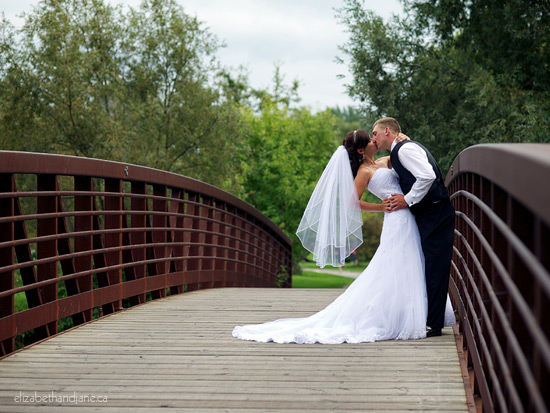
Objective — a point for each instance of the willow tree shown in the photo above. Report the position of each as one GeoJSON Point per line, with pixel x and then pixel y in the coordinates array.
{"type": "Point", "coordinates": [180, 122]}
{"type": "Point", "coordinates": [137, 85]}
{"type": "Point", "coordinates": [60, 79]}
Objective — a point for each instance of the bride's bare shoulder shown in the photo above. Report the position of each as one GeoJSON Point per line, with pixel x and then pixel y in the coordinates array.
{"type": "Point", "coordinates": [364, 174]}
{"type": "Point", "coordinates": [365, 171]}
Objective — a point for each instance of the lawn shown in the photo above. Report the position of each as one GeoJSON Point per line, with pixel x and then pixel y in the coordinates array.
{"type": "Point", "coordinates": [310, 279]}
{"type": "Point", "coordinates": [348, 267]}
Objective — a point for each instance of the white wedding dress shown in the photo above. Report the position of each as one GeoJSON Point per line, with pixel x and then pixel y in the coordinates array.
{"type": "Point", "coordinates": [387, 301]}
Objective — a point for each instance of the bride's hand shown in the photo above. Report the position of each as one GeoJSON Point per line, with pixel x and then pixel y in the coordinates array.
{"type": "Point", "coordinates": [385, 206]}
{"type": "Point", "coordinates": [402, 137]}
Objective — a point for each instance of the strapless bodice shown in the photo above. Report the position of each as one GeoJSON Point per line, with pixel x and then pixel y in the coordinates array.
{"type": "Point", "coordinates": [384, 182]}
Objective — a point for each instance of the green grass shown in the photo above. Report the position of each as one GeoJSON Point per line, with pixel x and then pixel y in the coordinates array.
{"type": "Point", "coordinates": [348, 267]}
{"type": "Point", "coordinates": [310, 279]}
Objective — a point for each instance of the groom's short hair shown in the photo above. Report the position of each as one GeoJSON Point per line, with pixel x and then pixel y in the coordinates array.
{"type": "Point", "coordinates": [390, 123]}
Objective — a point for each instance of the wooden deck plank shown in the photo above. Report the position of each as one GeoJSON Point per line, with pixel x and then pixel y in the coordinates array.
{"type": "Point", "coordinates": [178, 353]}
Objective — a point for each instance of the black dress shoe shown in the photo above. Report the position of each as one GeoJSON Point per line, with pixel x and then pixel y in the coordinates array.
{"type": "Point", "coordinates": [433, 332]}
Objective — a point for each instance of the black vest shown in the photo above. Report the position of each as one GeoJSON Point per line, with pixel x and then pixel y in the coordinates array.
{"type": "Point", "coordinates": [437, 191]}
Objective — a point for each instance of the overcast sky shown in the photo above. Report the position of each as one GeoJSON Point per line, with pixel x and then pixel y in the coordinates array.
{"type": "Point", "coordinates": [301, 35]}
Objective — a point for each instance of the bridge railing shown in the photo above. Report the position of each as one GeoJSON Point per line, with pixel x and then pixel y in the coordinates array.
{"type": "Point", "coordinates": [500, 281]}
{"type": "Point", "coordinates": [82, 238]}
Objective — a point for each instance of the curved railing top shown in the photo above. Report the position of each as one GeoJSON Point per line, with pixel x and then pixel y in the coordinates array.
{"type": "Point", "coordinates": [523, 169]}
{"type": "Point", "coordinates": [43, 163]}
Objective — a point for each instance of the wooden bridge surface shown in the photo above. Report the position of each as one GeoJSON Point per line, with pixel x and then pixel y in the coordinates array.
{"type": "Point", "coordinates": [178, 353]}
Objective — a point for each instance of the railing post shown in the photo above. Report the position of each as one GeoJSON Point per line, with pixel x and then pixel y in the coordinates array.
{"type": "Point", "coordinates": [45, 249]}
{"type": "Point", "coordinates": [231, 244]}
{"type": "Point", "coordinates": [256, 255]}
{"type": "Point", "coordinates": [240, 245]}
{"type": "Point", "coordinates": [207, 262]}
{"type": "Point", "coordinates": [138, 207]}
{"type": "Point", "coordinates": [113, 239]}
{"type": "Point", "coordinates": [159, 221]}
{"type": "Point", "coordinates": [192, 239]}
{"type": "Point", "coordinates": [82, 243]}
{"type": "Point", "coordinates": [247, 258]}
{"type": "Point", "coordinates": [177, 209]}
{"type": "Point", "coordinates": [264, 256]}
{"type": "Point", "coordinates": [7, 185]}
{"type": "Point", "coordinates": [218, 239]}
{"type": "Point", "coordinates": [64, 249]}
{"type": "Point", "coordinates": [24, 255]}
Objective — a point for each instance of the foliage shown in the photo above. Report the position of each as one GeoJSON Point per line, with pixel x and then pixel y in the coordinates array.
{"type": "Point", "coordinates": [286, 152]}
{"type": "Point", "coordinates": [83, 78]}
{"type": "Point", "coordinates": [181, 123]}
{"type": "Point", "coordinates": [57, 77]}
{"type": "Point", "coordinates": [372, 227]}
{"type": "Point", "coordinates": [347, 119]}
{"type": "Point", "coordinates": [454, 73]}
{"type": "Point", "coordinates": [507, 38]}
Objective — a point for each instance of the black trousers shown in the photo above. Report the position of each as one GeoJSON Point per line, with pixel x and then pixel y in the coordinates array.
{"type": "Point", "coordinates": [436, 226]}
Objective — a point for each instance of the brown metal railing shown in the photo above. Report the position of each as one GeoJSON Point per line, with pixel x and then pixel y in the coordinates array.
{"type": "Point", "coordinates": [82, 238]}
{"type": "Point", "coordinates": [500, 280]}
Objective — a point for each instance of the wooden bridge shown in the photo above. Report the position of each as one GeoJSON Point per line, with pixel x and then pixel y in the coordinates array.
{"type": "Point", "coordinates": [178, 352]}
{"type": "Point", "coordinates": [146, 270]}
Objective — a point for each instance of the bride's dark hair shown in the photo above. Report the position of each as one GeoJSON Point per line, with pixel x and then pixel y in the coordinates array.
{"type": "Point", "coordinates": [354, 140]}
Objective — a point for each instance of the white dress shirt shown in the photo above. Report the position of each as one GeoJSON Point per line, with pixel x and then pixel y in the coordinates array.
{"type": "Point", "coordinates": [415, 160]}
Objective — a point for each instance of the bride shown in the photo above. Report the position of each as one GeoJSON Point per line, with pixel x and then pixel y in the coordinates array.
{"type": "Point", "coordinates": [388, 299]}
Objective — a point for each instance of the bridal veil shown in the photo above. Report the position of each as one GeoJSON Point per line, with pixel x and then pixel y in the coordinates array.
{"type": "Point", "coordinates": [331, 227]}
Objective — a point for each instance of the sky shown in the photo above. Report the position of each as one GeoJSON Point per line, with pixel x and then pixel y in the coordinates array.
{"type": "Point", "coordinates": [302, 36]}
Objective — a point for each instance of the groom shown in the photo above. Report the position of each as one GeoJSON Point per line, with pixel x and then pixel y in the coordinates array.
{"type": "Point", "coordinates": [426, 196]}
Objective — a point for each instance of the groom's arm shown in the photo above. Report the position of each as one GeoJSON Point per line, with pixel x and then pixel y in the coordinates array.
{"type": "Point", "coordinates": [415, 160]}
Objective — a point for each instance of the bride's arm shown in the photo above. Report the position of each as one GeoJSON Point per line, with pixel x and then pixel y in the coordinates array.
{"type": "Point", "coordinates": [385, 160]}
{"type": "Point", "coordinates": [361, 182]}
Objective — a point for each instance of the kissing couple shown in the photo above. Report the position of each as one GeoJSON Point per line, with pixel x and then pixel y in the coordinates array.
{"type": "Point", "coordinates": [402, 293]}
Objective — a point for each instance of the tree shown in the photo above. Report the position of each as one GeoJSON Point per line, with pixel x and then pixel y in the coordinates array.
{"type": "Point", "coordinates": [286, 152]}
{"type": "Point", "coordinates": [59, 79]}
{"type": "Point", "coordinates": [83, 78]}
{"type": "Point", "coordinates": [435, 71]}
{"type": "Point", "coordinates": [347, 119]}
{"type": "Point", "coordinates": [506, 37]}
{"type": "Point", "coordinates": [179, 121]}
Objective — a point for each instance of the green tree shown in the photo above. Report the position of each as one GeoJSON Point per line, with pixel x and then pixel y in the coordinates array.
{"type": "Point", "coordinates": [372, 227]}
{"type": "Point", "coordinates": [348, 118]}
{"type": "Point", "coordinates": [81, 77]}
{"type": "Point", "coordinates": [286, 152]}
{"type": "Point", "coordinates": [179, 122]}
{"type": "Point", "coordinates": [446, 77]}
{"type": "Point", "coordinates": [506, 37]}
{"type": "Point", "coordinates": [59, 79]}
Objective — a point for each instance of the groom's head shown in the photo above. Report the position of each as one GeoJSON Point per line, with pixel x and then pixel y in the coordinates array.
{"type": "Point", "coordinates": [384, 132]}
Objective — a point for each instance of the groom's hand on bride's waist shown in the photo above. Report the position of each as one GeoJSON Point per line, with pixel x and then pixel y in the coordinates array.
{"type": "Point", "coordinates": [397, 201]}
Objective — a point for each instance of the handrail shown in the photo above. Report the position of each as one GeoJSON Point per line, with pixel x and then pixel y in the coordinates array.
{"type": "Point", "coordinates": [500, 274]}
{"type": "Point", "coordinates": [83, 238]}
